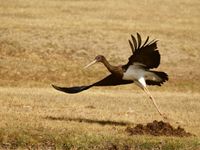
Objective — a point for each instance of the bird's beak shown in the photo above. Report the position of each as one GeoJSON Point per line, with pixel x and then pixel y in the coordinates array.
{"type": "Point", "coordinates": [90, 64]}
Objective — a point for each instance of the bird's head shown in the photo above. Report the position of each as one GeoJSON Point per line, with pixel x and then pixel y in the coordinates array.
{"type": "Point", "coordinates": [98, 58]}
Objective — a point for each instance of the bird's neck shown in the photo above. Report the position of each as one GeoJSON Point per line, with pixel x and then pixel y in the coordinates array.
{"type": "Point", "coordinates": [113, 69]}
{"type": "Point", "coordinates": [107, 65]}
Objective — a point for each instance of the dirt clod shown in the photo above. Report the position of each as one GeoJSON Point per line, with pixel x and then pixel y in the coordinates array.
{"type": "Point", "coordinates": [158, 128]}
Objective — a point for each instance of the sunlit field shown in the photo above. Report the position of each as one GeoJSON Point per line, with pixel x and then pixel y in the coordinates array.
{"type": "Point", "coordinates": [50, 41]}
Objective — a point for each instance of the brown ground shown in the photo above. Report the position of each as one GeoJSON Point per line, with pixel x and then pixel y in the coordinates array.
{"type": "Point", "coordinates": [158, 128]}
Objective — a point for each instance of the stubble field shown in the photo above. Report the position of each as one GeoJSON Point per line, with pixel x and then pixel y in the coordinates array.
{"type": "Point", "coordinates": [49, 41]}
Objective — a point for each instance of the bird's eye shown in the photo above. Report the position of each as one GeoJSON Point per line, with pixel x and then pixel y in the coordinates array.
{"type": "Point", "coordinates": [98, 57]}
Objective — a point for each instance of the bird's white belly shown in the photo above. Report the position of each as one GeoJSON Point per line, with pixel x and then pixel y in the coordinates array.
{"type": "Point", "coordinates": [133, 73]}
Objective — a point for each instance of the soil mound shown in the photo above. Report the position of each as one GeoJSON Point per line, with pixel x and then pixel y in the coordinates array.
{"type": "Point", "coordinates": [158, 128]}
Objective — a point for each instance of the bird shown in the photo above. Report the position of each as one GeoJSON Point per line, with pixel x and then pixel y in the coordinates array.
{"type": "Point", "coordinates": [139, 69]}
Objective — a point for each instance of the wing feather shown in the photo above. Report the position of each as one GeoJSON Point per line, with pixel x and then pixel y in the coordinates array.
{"type": "Point", "coordinates": [145, 42]}
{"type": "Point", "coordinates": [134, 41]}
{"type": "Point", "coordinates": [131, 45]}
{"type": "Point", "coordinates": [110, 80]}
{"type": "Point", "coordinates": [139, 40]}
{"type": "Point", "coordinates": [153, 41]}
{"type": "Point", "coordinates": [146, 54]}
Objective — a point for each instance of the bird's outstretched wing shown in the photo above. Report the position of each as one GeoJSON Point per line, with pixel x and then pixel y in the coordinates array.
{"type": "Point", "coordinates": [71, 90]}
{"type": "Point", "coordinates": [110, 80]}
{"type": "Point", "coordinates": [146, 53]}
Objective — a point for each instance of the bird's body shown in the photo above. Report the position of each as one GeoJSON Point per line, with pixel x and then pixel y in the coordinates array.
{"type": "Point", "coordinates": [138, 69]}
{"type": "Point", "coordinates": [134, 72]}
{"type": "Point", "coordinates": [137, 73]}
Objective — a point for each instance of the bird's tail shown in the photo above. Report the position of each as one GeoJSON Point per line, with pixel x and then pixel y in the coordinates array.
{"type": "Point", "coordinates": [160, 78]}
{"type": "Point", "coordinates": [71, 90]}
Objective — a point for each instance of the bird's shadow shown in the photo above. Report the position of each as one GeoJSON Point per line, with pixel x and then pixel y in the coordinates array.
{"type": "Point", "coordinates": [91, 121]}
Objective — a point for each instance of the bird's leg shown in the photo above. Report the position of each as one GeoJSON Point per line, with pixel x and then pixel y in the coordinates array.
{"type": "Point", "coordinates": [153, 100]}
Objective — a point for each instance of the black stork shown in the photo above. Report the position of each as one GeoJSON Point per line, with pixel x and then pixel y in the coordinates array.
{"type": "Point", "coordinates": [138, 69]}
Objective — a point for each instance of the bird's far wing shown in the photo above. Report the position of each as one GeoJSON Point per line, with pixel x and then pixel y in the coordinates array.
{"type": "Point", "coordinates": [145, 53]}
{"type": "Point", "coordinates": [71, 90]}
{"type": "Point", "coordinates": [110, 80]}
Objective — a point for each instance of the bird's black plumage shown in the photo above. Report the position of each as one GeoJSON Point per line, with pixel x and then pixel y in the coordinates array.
{"type": "Point", "coordinates": [147, 54]}
{"type": "Point", "coordinates": [162, 75]}
{"type": "Point", "coordinates": [110, 80]}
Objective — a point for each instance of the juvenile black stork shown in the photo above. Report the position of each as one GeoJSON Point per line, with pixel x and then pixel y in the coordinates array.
{"type": "Point", "coordinates": [138, 69]}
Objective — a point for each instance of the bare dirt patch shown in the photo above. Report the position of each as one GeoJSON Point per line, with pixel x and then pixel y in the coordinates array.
{"type": "Point", "coordinates": [158, 128]}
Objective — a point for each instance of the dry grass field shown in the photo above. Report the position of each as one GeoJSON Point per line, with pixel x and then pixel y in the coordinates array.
{"type": "Point", "coordinates": [44, 118]}
{"type": "Point", "coordinates": [49, 41]}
